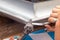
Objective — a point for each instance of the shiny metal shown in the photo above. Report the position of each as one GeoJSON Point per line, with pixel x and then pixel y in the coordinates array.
{"type": "Point", "coordinates": [28, 28]}
{"type": "Point", "coordinates": [22, 10]}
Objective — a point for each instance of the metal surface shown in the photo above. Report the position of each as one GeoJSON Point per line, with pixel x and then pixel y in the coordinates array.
{"type": "Point", "coordinates": [17, 9]}
{"type": "Point", "coordinates": [28, 28]}
{"type": "Point", "coordinates": [23, 11]}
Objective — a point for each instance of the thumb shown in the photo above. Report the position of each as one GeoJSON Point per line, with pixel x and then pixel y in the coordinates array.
{"type": "Point", "coordinates": [48, 26]}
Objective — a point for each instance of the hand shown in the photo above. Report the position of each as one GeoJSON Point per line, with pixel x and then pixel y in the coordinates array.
{"type": "Point", "coordinates": [54, 15]}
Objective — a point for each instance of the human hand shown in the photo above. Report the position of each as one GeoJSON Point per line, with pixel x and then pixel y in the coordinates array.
{"type": "Point", "coordinates": [54, 15]}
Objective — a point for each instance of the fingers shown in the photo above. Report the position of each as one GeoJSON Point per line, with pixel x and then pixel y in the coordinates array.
{"type": "Point", "coordinates": [58, 6]}
{"type": "Point", "coordinates": [57, 27]}
{"type": "Point", "coordinates": [49, 28]}
{"type": "Point", "coordinates": [52, 19]}
{"type": "Point", "coordinates": [56, 10]}
{"type": "Point", "coordinates": [55, 13]}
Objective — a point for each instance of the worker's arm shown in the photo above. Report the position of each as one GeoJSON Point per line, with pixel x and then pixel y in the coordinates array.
{"type": "Point", "coordinates": [55, 14]}
{"type": "Point", "coordinates": [57, 29]}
